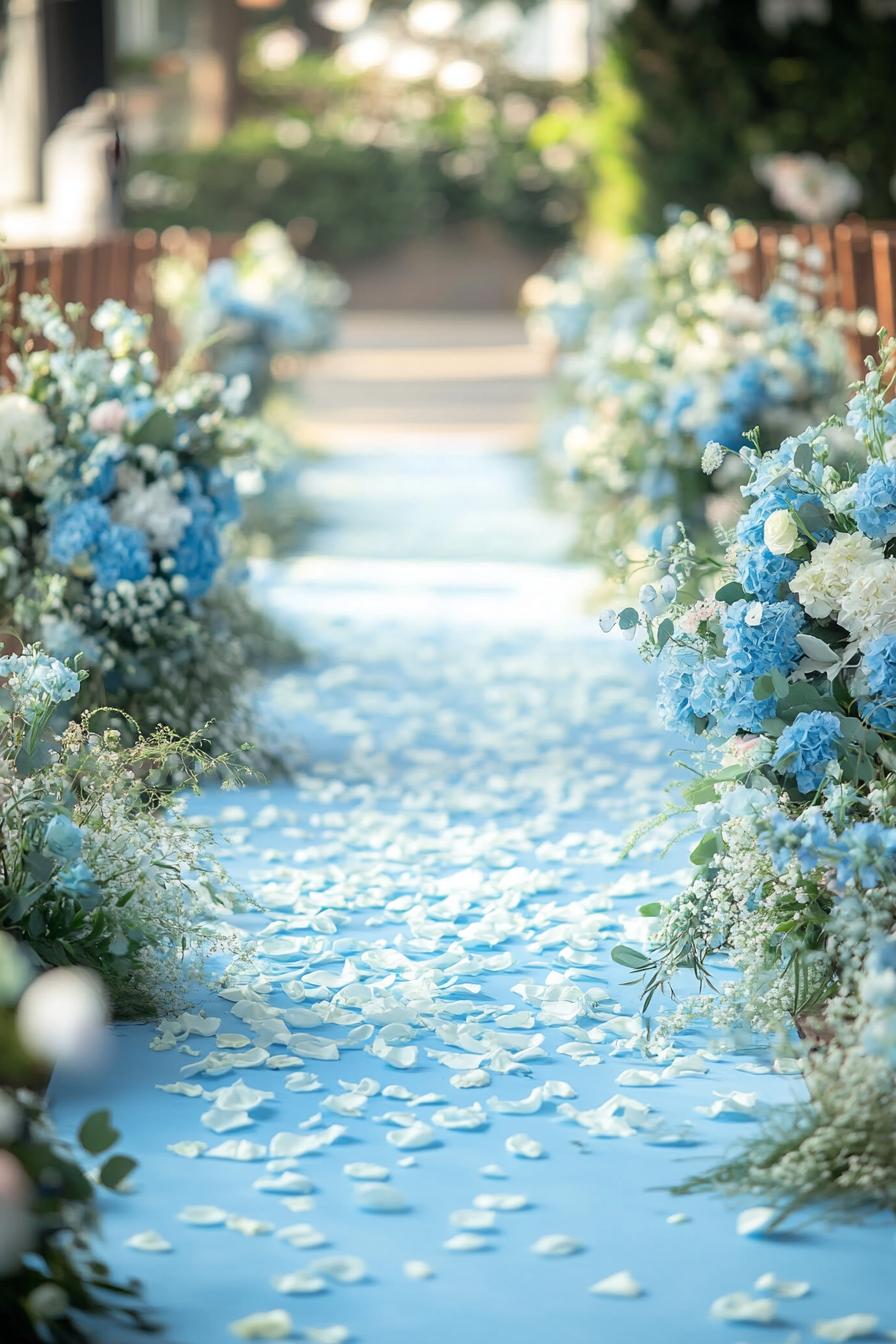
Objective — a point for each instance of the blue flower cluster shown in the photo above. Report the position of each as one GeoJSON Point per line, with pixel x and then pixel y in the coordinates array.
{"type": "Point", "coordinates": [879, 666]}
{"type": "Point", "coordinates": [761, 638]}
{"type": "Point", "coordinates": [876, 501]}
{"type": "Point", "coordinates": [806, 838]}
{"type": "Point", "coordinates": [84, 530]}
{"type": "Point", "coordinates": [806, 747]}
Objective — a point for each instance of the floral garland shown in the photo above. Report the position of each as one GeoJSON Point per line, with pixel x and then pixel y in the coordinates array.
{"type": "Point", "coordinates": [672, 372]}
{"type": "Point", "coordinates": [780, 663]}
{"type": "Point", "coordinates": [117, 494]}
{"type": "Point", "coordinates": [244, 310]}
{"type": "Point", "coordinates": [98, 868]}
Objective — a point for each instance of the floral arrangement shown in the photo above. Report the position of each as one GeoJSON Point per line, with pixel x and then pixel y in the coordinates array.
{"type": "Point", "coordinates": [244, 310]}
{"type": "Point", "coordinates": [682, 367]}
{"type": "Point", "coordinates": [779, 661]}
{"type": "Point", "coordinates": [117, 495]}
{"type": "Point", "coordinates": [54, 1287]}
{"type": "Point", "coordinates": [99, 870]}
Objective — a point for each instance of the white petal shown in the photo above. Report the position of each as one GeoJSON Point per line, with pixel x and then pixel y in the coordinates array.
{"type": "Point", "coordinates": [340, 1268]}
{"type": "Point", "coordinates": [621, 1284]}
{"type": "Point", "coordinates": [466, 1241]}
{"type": "Point", "coordinates": [286, 1182]}
{"type": "Point", "coordinates": [181, 1089]}
{"type": "Point", "coordinates": [275, 1324]}
{"type": "Point", "coordinates": [239, 1097]}
{"type": "Point", "coordinates": [418, 1269]}
{"type": "Point", "coordinates": [378, 1198]}
{"type": "Point", "coordinates": [238, 1150]}
{"type": "Point", "coordinates": [473, 1220]}
{"type": "Point", "coordinates": [188, 1147]}
{"type": "Point", "coordinates": [493, 1172]}
{"type": "Point", "coordinates": [299, 1281]}
{"type": "Point", "coordinates": [148, 1241]}
{"type": "Point", "coordinates": [223, 1121]}
{"type": "Point", "coordinates": [327, 1334]}
{"type": "Point", "coordinates": [203, 1215]}
{"type": "Point", "coordinates": [858, 1325]}
{"type": "Point", "coordinates": [555, 1243]}
{"type": "Point", "coordinates": [303, 1082]}
{"type": "Point", "coordinates": [502, 1203]}
{"type": "Point", "coordinates": [366, 1171]}
{"type": "Point", "coordinates": [249, 1227]}
{"type": "Point", "coordinates": [416, 1135]}
{"type": "Point", "coordinates": [521, 1145]}
{"type": "Point", "coordinates": [304, 1236]}
{"type": "Point", "coordinates": [770, 1283]}
{"type": "Point", "coordinates": [470, 1078]}
{"type": "Point", "coordinates": [744, 1307]}
{"type": "Point", "coordinates": [754, 1222]}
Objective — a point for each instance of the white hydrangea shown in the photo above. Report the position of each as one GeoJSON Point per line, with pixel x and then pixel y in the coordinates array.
{"type": "Point", "coordinates": [822, 582]}
{"type": "Point", "coordinates": [25, 430]}
{"type": "Point", "coordinates": [154, 509]}
{"type": "Point", "coordinates": [868, 606]}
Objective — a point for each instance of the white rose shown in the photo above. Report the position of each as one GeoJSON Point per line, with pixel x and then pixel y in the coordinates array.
{"type": "Point", "coordinates": [780, 533]}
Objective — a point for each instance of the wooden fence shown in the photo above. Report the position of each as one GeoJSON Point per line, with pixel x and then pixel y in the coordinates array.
{"type": "Point", "coordinates": [858, 270]}
{"type": "Point", "coordinates": [119, 266]}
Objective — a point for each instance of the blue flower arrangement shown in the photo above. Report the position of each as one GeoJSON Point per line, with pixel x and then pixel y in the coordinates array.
{"type": "Point", "coordinates": [117, 495]}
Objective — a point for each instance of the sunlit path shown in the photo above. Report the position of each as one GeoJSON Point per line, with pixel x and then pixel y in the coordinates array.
{"type": "Point", "coordinates": [433, 1005]}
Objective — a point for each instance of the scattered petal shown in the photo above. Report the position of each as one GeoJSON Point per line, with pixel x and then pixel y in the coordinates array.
{"type": "Point", "coordinates": [275, 1324]}
{"type": "Point", "coordinates": [148, 1241]}
{"type": "Point", "coordinates": [555, 1243]}
{"type": "Point", "coordinates": [621, 1284]}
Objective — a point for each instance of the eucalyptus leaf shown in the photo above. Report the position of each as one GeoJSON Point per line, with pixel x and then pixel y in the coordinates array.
{"type": "Point", "coordinates": [630, 957]}
{"type": "Point", "coordinates": [664, 632]}
{"type": "Point", "coordinates": [804, 458]}
{"type": "Point", "coordinates": [705, 848]}
{"type": "Point", "coordinates": [97, 1133]}
{"type": "Point", "coordinates": [651, 909]}
{"type": "Point", "coordinates": [731, 592]}
{"type": "Point", "coordinates": [115, 1170]}
{"type": "Point", "coordinates": [628, 618]}
{"type": "Point", "coordinates": [817, 649]}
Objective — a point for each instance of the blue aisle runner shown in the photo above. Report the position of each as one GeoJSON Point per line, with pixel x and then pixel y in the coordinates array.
{"type": "Point", "coordinates": [441, 890]}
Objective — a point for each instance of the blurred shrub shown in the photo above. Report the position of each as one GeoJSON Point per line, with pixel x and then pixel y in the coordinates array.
{"type": "Point", "coordinates": [691, 95]}
{"type": "Point", "coordinates": [371, 161]}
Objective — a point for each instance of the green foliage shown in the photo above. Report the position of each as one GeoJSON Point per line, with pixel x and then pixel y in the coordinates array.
{"type": "Point", "coordinates": [686, 100]}
{"type": "Point", "coordinates": [54, 1288]}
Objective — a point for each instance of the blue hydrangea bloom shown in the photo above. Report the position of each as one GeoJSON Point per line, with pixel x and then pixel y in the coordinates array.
{"type": "Point", "coordinates": [725, 695]}
{"type": "Point", "coordinates": [62, 838]}
{"type": "Point", "coordinates": [879, 666]}
{"type": "Point", "coordinates": [876, 500]}
{"type": "Point", "coordinates": [122, 553]}
{"type": "Point", "coordinates": [806, 837]}
{"type": "Point", "coordinates": [76, 529]}
{"type": "Point", "coordinates": [868, 851]}
{"type": "Point", "coordinates": [221, 490]}
{"type": "Point", "coordinates": [677, 666]}
{"type": "Point", "coordinates": [806, 746]}
{"type": "Point", "coordinates": [775, 470]}
{"type": "Point", "coordinates": [770, 644]}
{"type": "Point", "coordinates": [198, 553]}
{"type": "Point", "coordinates": [762, 573]}
{"type": "Point", "coordinates": [863, 410]}
{"type": "Point", "coordinates": [77, 880]}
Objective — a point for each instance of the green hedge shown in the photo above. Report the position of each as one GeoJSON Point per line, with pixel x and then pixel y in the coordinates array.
{"type": "Point", "coordinates": [685, 101]}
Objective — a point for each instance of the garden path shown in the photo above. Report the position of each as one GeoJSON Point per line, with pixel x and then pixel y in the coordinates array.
{"type": "Point", "coordinates": [441, 888]}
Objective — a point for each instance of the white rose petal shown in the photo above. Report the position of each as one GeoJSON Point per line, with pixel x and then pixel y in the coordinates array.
{"type": "Point", "coordinates": [275, 1324]}
{"type": "Point", "coordinates": [148, 1241]}
{"type": "Point", "coordinates": [418, 1269]}
{"type": "Point", "coordinates": [203, 1215]}
{"type": "Point", "coordinates": [555, 1243]}
{"type": "Point", "coordinates": [521, 1145]}
{"type": "Point", "coordinates": [621, 1284]}
{"type": "Point", "coordinates": [238, 1150]}
{"type": "Point", "coordinates": [466, 1241]}
{"type": "Point", "coordinates": [744, 1307]}
{"type": "Point", "coordinates": [858, 1325]}
{"type": "Point", "coordinates": [753, 1222]}
{"type": "Point", "coordinates": [366, 1171]}
{"type": "Point", "coordinates": [379, 1198]}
